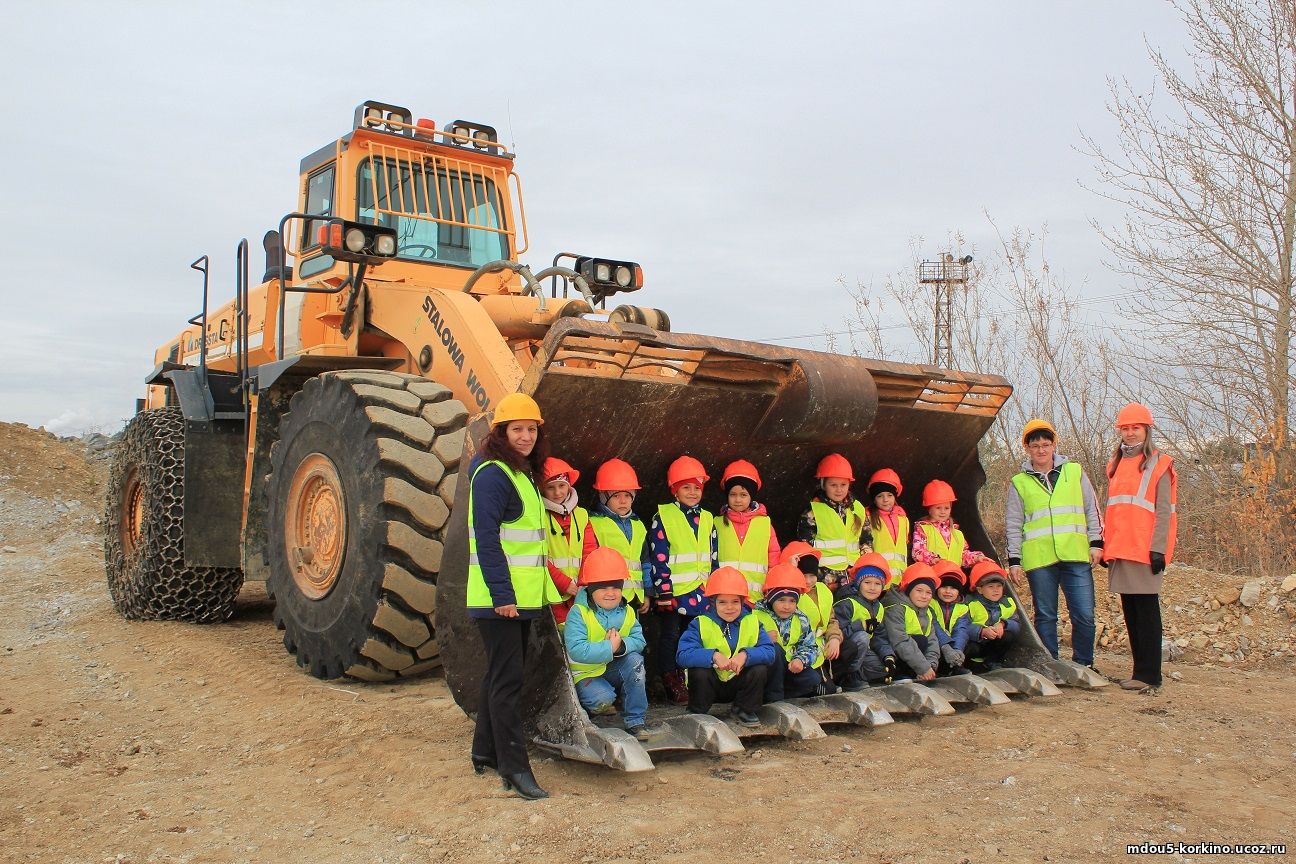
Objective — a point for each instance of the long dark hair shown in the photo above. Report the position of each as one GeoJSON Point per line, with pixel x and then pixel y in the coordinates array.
{"type": "Point", "coordinates": [496, 446]}
{"type": "Point", "coordinates": [1144, 455]}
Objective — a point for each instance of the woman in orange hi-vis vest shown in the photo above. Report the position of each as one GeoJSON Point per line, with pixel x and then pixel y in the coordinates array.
{"type": "Point", "coordinates": [1139, 537]}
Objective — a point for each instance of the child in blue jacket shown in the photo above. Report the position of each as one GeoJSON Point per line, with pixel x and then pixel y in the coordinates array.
{"type": "Point", "coordinates": [952, 618]}
{"type": "Point", "coordinates": [993, 623]}
{"type": "Point", "coordinates": [858, 609]}
{"type": "Point", "coordinates": [605, 643]}
{"type": "Point", "coordinates": [726, 652]}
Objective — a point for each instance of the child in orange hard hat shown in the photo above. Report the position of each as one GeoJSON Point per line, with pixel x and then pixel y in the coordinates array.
{"type": "Point", "coordinates": [888, 522]}
{"type": "Point", "coordinates": [861, 615]}
{"type": "Point", "coordinates": [682, 551]}
{"type": "Point", "coordinates": [745, 538]}
{"type": "Point", "coordinates": [725, 650]}
{"type": "Point", "coordinates": [566, 525]}
{"type": "Point", "coordinates": [938, 536]}
{"type": "Point", "coordinates": [816, 602]}
{"type": "Point", "coordinates": [605, 643]}
{"type": "Point", "coordinates": [992, 617]}
{"type": "Point", "coordinates": [836, 523]}
{"type": "Point", "coordinates": [952, 618]}
{"type": "Point", "coordinates": [614, 524]}
{"type": "Point", "coordinates": [911, 624]}
{"type": "Point", "coordinates": [797, 669]}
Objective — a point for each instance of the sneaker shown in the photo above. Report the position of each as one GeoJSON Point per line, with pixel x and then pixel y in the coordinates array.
{"type": "Point", "coordinates": [991, 665]}
{"type": "Point", "coordinates": [746, 718]}
{"type": "Point", "coordinates": [607, 708]}
{"type": "Point", "coordinates": [960, 670]}
{"type": "Point", "coordinates": [640, 732]}
{"type": "Point", "coordinates": [826, 688]}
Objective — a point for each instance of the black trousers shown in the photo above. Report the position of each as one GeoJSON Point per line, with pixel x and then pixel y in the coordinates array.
{"type": "Point", "coordinates": [839, 670]}
{"type": "Point", "coordinates": [499, 731]}
{"type": "Point", "coordinates": [1143, 621]}
{"type": "Point", "coordinates": [745, 690]}
{"type": "Point", "coordinates": [782, 683]}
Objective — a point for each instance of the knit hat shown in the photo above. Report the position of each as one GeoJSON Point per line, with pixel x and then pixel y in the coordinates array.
{"type": "Point", "coordinates": [808, 564]}
{"type": "Point", "coordinates": [775, 594]}
{"type": "Point", "coordinates": [745, 482]}
{"type": "Point", "coordinates": [876, 489]}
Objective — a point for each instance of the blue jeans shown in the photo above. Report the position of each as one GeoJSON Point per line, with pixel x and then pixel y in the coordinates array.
{"type": "Point", "coordinates": [1075, 578]}
{"type": "Point", "coordinates": [626, 674]}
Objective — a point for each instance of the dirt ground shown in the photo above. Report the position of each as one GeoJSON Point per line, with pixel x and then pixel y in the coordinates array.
{"type": "Point", "coordinates": [158, 742]}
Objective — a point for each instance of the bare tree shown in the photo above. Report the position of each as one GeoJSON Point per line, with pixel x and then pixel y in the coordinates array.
{"type": "Point", "coordinates": [1207, 169]}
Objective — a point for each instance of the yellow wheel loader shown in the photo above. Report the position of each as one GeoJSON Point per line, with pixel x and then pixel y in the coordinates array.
{"type": "Point", "coordinates": [311, 432]}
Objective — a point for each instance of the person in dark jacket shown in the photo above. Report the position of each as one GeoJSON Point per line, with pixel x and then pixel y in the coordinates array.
{"type": "Point", "coordinates": [727, 653]}
{"type": "Point", "coordinates": [952, 618]}
{"type": "Point", "coordinates": [508, 581]}
{"type": "Point", "coordinates": [859, 611]}
{"type": "Point", "coordinates": [992, 616]}
{"type": "Point", "coordinates": [911, 624]}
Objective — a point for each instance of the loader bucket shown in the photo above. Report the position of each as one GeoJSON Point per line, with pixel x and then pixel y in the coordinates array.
{"type": "Point", "coordinates": [623, 390]}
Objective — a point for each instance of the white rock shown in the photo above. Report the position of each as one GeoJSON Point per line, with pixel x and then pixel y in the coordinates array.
{"type": "Point", "coordinates": [1010, 780]}
{"type": "Point", "coordinates": [1288, 585]}
{"type": "Point", "coordinates": [10, 549]}
{"type": "Point", "coordinates": [1250, 595]}
{"type": "Point", "coordinates": [1246, 621]}
{"type": "Point", "coordinates": [1176, 676]}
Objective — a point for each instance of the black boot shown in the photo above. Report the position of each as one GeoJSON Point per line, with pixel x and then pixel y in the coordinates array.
{"type": "Point", "coordinates": [481, 763]}
{"type": "Point", "coordinates": [524, 784]}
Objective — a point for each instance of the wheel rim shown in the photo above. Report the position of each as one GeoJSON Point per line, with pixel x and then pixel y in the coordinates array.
{"type": "Point", "coordinates": [315, 532]}
{"type": "Point", "coordinates": [132, 513]}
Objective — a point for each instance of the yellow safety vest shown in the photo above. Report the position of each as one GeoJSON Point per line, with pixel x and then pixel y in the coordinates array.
{"type": "Point", "coordinates": [1054, 528]}
{"type": "Point", "coordinates": [597, 633]}
{"type": "Point", "coordinates": [794, 636]}
{"type": "Point", "coordinates": [609, 534]}
{"type": "Point", "coordinates": [980, 615]}
{"type": "Point", "coordinates": [895, 551]}
{"type": "Point", "coordinates": [817, 605]}
{"type": "Point", "coordinates": [913, 626]}
{"type": "Point", "coordinates": [523, 543]}
{"type": "Point", "coordinates": [957, 611]}
{"type": "Point", "coordinates": [951, 551]}
{"type": "Point", "coordinates": [838, 540]}
{"type": "Point", "coordinates": [751, 556]}
{"type": "Point", "coordinates": [713, 637]}
{"type": "Point", "coordinates": [690, 554]}
{"type": "Point", "coordinates": [860, 613]}
{"type": "Point", "coordinates": [566, 548]}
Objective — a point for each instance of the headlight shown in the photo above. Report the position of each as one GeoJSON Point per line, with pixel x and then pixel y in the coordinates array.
{"type": "Point", "coordinates": [623, 276]}
{"type": "Point", "coordinates": [607, 276]}
{"type": "Point", "coordinates": [386, 245]}
{"type": "Point", "coordinates": [602, 272]}
{"type": "Point", "coordinates": [355, 240]}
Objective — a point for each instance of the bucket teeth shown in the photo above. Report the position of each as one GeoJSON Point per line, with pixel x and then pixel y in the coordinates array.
{"type": "Point", "coordinates": [910, 697]}
{"type": "Point", "coordinates": [1071, 674]}
{"type": "Point", "coordinates": [1024, 681]}
{"type": "Point", "coordinates": [791, 721]}
{"type": "Point", "coordinates": [970, 689]}
{"type": "Point", "coordinates": [858, 709]}
{"type": "Point", "coordinates": [694, 732]}
{"type": "Point", "coordinates": [614, 748]}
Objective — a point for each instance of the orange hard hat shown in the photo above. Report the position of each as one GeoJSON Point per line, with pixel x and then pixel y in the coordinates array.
{"type": "Point", "coordinates": [918, 572]}
{"type": "Point", "coordinates": [553, 466]}
{"type": "Point", "coordinates": [798, 547]}
{"type": "Point", "coordinates": [835, 465]}
{"type": "Point", "coordinates": [949, 568]}
{"type": "Point", "coordinates": [517, 406]}
{"type": "Point", "coordinates": [603, 565]}
{"type": "Point", "coordinates": [741, 468]}
{"type": "Point", "coordinates": [785, 576]}
{"type": "Point", "coordinates": [685, 468]}
{"type": "Point", "coordinates": [984, 568]}
{"type": "Point", "coordinates": [726, 580]}
{"type": "Point", "coordinates": [938, 492]}
{"type": "Point", "coordinates": [887, 476]}
{"type": "Point", "coordinates": [1134, 414]}
{"type": "Point", "coordinates": [874, 560]}
{"type": "Point", "coordinates": [616, 475]}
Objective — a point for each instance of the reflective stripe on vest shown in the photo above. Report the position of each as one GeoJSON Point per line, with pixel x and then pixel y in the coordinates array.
{"type": "Point", "coordinates": [523, 543]}
{"type": "Point", "coordinates": [713, 637]}
{"type": "Point", "coordinates": [794, 635]}
{"type": "Point", "coordinates": [817, 605]}
{"type": "Point", "coordinates": [913, 626]}
{"type": "Point", "coordinates": [690, 554]}
{"type": "Point", "coordinates": [860, 613]}
{"type": "Point", "coordinates": [1130, 520]}
{"type": "Point", "coordinates": [894, 549]}
{"type": "Point", "coordinates": [837, 540]}
{"type": "Point", "coordinates": [951, 551]}
{"type": "Point", "coordinates": [595, 632]}
{"type": "Point", "coordinates": [1054, 528]}
{"type": "Point", "coordinates": [980, 614]}
{"type": "Point", "coordinates": [565, 548]}
{"type": "Point", "coordinates": [750, 556]}
{"type": "Point", "coordinates": [609, 534]}
{"type": "Point", "coordinates": [957, 611]}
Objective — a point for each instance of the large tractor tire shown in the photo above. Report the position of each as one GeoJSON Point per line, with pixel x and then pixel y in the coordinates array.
{"type": "Point", "coordinates": [144, 530]}
{"type": "Point", "coordinates": [361, 483]}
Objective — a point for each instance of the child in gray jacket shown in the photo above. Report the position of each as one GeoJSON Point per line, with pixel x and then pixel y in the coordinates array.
{"type": "Point", "coordinates": [911, 624]}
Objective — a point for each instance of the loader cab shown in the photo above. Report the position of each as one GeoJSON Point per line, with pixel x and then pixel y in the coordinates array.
{"type": "Point", "coordinates": [450, 194]}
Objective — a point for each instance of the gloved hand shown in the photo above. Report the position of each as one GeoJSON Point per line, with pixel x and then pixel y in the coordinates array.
{"type": "Point", "coordinates": [1158, 563]}
{"type": "Point", "coordinates": [889, 666]}
{"type": "Point", "coordinates": [665, 603]}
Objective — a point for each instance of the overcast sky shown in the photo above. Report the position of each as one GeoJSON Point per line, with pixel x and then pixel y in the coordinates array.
{"type": "Point", "coordinates": [748, 155]}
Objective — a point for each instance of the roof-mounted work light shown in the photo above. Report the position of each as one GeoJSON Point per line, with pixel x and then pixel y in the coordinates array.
{"type": "Point", "coordinates": [357, 242]}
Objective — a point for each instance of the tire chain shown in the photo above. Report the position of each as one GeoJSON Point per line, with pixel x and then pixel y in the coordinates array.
{"type": "Point", "coordinates": [155, 583]}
